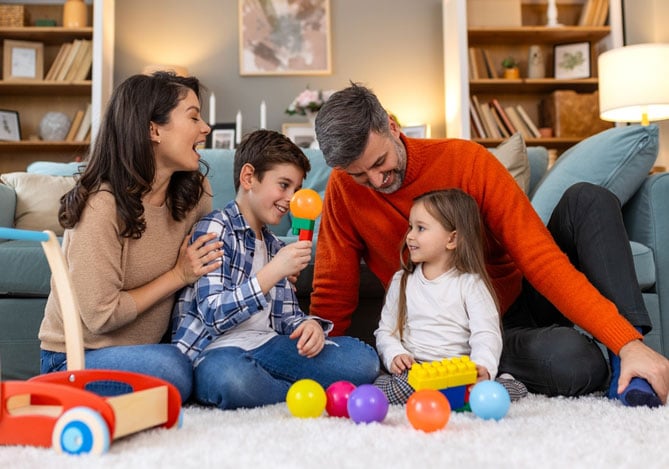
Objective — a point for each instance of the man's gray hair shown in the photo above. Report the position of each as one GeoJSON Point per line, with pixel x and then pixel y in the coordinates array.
{"type": "Point", "coordinates": [344, 122]}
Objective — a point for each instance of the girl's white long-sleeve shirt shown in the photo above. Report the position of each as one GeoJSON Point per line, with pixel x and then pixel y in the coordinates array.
{"type": "Point", "coordinates": [449, 316]}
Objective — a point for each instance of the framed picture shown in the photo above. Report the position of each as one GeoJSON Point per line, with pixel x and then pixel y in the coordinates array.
{"type": "Point", "coordinates": [415, 131]}
{"type": "Point", "coordinates": [222, 136]}
{"type": "Point", "coordinates": [23, 60]}
{"type": "Point", "coordinates": [303, 135]}
{"type": "Point", "coordinates": [9, 126]}
{"type": "Point", "coordinates": [572, 60]}
{"type": "Point", "coordinates": [284, 37]}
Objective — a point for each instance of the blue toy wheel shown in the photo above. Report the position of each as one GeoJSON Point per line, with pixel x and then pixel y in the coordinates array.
{"type": "Point", "coordinates": [81, 430]}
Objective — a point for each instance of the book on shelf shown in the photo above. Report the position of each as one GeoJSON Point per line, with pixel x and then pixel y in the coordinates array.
{"type": "Point", "coordinates": [491, 126]}
{"type": "Point", "coordinates": [484, 123]}
{"type": "Point", "coordinates": [58, 61]}
{"type": "Point", "coordinates": [474, 70]}
{"type": "Point", "coordinates": [494, 103]}
{"type": "Point", "coordinates": [84, 66]}
{"type": "Point", "coordinates": [601, 13]}
{"type": "Point", "coordinates": [82, 53]}
{"type": "Point", "coordinates": [85, 125]}
{"type": "Point", "coordinates": [76, 122]}
{"type": "Point", "coordinates": [594, 13]}
{"type": "Point", "coordinates": [67, 63]}
{"type": "Point", "coordinates": [504, 132]}
{"type": "Point", "coordinates": [527, 121]}
{"type": "Point", "coordinates": [489, 64]}
{"type": "Point", "coordinates": [517, 121]}
{"type": "Point", "coordinates": [477, 125]}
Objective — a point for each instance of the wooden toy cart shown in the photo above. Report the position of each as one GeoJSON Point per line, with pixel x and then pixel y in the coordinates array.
{"type": "Point", "coordinates": [56, 409]}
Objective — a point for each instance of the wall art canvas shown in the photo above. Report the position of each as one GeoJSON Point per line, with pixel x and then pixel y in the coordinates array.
{"type": "Point", "coordinates": [284, 37]}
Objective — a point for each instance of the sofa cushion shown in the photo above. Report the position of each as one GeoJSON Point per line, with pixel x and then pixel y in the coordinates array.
{"type": "Point", "coordinates": [512, 153]}
{"type": "Point", "coordinates": [54, 168]}
{"type": "Point", "coordinates": [29, 274]}
{"type": "Point", "coordinates": [38, 199]}
{"type": "Point", "coordinates": [644, 264]}
{"type": "Point", "coordinates": [618, 159]}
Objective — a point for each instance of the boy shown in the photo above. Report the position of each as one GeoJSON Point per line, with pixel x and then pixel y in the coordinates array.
{"type": "Point", "coordinates": [241, 324]}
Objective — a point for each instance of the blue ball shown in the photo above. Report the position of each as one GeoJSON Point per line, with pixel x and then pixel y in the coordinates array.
{"type": "Point", "coordinates": [366, 404]}
{"type": "Point", "coordinates": [489, 400]}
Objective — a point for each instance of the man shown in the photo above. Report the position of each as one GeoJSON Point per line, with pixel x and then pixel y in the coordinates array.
{"type": "Point", "coordinates": [377, 174]}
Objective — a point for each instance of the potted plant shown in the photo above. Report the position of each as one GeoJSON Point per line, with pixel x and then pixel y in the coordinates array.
{"type": "Point", "coordinates": [510, 68]}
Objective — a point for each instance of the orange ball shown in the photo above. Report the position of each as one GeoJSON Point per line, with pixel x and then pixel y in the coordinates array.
{"type": "Point", "coordinates": [307, 204]}
{"type": "Point", "coordinates": [428, 410]}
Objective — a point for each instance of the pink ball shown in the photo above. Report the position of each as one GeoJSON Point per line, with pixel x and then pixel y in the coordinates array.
{"type": "Point", "coordinates": [338, 394]}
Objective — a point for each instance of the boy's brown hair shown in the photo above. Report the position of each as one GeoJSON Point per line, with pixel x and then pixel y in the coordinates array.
{"type": "Point", "coordinates": [264, 149]}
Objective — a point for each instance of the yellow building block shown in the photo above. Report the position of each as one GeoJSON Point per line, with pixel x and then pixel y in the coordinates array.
{"type": "Point", "coordinates": [446, 373]}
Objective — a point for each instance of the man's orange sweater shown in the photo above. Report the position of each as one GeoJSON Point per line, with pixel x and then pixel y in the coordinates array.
{"type": "Point", "coordinates": [358, 222]}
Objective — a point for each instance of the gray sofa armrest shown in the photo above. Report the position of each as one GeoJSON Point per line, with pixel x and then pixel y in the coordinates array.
{"type": "Point", "coordinates": [7, 206]}
{"type": "Point", "coordinates": [647, 222]}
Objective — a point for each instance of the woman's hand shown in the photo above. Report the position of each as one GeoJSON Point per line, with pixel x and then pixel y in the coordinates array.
{"type": "Point", "coordinates": [198, 259]}
{"type": "Point", "coordinates": [311, 338]}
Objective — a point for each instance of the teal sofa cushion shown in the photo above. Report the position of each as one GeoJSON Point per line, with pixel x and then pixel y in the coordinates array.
{"type": "Point", "coordinates": [618, 159]}
{"type": "Point", "coordinates": [53, 168]}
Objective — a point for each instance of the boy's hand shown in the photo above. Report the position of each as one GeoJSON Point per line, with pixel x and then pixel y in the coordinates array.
{"type": "Point", "coordinates": [292, 259]}
{"type": "Point", "coordinates": [311, 338]}
{"type": "Point", "coordinates": [401, 363]}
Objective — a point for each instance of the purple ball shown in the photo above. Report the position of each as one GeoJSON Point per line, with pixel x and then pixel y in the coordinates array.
{"type": "Point", "coordinates": [366, 404]}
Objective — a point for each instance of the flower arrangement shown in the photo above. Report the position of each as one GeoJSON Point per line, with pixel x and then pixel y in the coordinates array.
{"type": "Point", "coordinates": [308, 102]}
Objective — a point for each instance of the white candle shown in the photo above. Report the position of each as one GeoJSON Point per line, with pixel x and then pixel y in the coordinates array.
{"type": "Point", "coordinates": [263, 115]}
{"type": "Point", "coordinates": [212, 109]}
{"type": "Point", "coordinates": [238, 128]}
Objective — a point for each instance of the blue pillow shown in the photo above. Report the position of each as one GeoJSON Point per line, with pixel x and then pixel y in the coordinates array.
{"type": "Point", "coordinates": [618, 159]}
{"type": "Point", "coordinates": [51, 168]}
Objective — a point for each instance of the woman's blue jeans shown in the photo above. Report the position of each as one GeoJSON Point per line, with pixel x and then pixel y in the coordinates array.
{"type": "Point", "coordinates": [230, 377]}
{"type": "Point", "coordinates": [163, 361]}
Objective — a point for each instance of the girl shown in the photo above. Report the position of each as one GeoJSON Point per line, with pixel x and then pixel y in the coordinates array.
{"type": "Point", "coordinates": [441, 304]}
{"type": "Point", "coordinates": [127, 222]}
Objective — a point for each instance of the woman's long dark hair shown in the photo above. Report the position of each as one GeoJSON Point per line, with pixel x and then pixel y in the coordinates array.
{"type": "Point", "coordinates": [122, 155]}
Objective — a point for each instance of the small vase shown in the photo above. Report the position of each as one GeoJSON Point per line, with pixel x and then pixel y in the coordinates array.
{"type": "Point", "coordinates": [512, 73]}
{"type": "Point", "coordinates": [75, 14]}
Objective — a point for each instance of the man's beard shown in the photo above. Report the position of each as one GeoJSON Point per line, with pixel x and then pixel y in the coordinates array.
{"type": "Point", "coordinates": [398, 172]}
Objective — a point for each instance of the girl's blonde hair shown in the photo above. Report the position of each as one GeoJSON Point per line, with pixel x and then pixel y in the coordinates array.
{"type": "Point", "coordinates": [456, 211]}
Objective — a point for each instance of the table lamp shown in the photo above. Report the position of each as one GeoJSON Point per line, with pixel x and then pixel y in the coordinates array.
{"type": "Point", "coordinates": [633, 83]}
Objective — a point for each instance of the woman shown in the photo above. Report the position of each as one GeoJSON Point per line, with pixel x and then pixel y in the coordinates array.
{"type": "Point", "coordinates": [127, 222]}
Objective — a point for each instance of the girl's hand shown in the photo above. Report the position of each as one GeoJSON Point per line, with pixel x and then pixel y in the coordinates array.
{"type": "Point", "coordinates": [482, 373]}
{"type": "Point", "coordinates": [198, 259]}
{"type": "Point", "coordinates": [311, 338]}
{"type": "Point", "coordinates": [401, 363]}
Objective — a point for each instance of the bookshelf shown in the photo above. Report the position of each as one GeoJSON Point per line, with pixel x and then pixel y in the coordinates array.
{"type": "Point", "coordinates": [34, 98]}
{"type": "Point", "coordinates": [503, 41]}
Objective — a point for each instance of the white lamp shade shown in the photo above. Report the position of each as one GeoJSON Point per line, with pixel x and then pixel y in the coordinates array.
{"type": "Point", "coordinates": [634, 80]}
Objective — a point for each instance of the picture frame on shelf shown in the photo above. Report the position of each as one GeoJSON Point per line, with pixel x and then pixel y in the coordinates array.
{"type": "Point", "coordinates": [415, 131]}
{"type": "Point", "coordinates": [284, 37]}
{"type": "Point", "coordinates": [222, 136]}
{"type": "Point", "coordinates": [572, 61]}
{"type": "Point", "coordinates": [23, 60]}
{"type": "Point", "coordinates": [10, 128]}
{"type": "Point", "coordinates": [302, 134]}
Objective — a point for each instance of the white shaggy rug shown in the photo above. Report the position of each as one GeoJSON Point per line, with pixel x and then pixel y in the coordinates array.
{"type": "Point", "coordinates": [589, 432]}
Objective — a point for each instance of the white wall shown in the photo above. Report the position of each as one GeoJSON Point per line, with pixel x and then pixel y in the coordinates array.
{"type": "Point", "coordinates": [646, 21]}
{"type": "Point", "coordinates": [393, 46]}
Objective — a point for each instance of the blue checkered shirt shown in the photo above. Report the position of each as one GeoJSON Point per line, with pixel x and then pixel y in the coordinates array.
{"type": "Point", "coordinates": [228, 296]}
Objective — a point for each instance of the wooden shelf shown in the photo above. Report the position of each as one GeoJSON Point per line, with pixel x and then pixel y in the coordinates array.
{"type": "Point", "coordinates": [40, 145]}
{"type": "Point", "coordinates": [559, 144]}
{"type": "Point", "coordinates": [531, 85]}
{"type": "Point", "coordinates": [39, 87]}
{"type": "Point", "coordinates": [536, 34]}
{"type": "Point", "coordinates": [47, 34]}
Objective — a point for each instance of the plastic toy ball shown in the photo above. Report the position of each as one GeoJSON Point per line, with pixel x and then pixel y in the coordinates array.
{"type": "Point", "coordinates": [489, 400]}
{"type": "Point", "coordinates": [428, 410]}
{"type": "Point", "coordinates": [306, 399]}
{"type": "Point", "coordinates": [338, 394]}
{"type": "Point", "coordinates": [306, 203]}
{"type": "Point", "coordinates": [366, 404]}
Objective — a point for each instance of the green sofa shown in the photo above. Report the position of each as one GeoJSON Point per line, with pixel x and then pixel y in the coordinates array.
{"type": "Point", "coordinates": [24, 273]}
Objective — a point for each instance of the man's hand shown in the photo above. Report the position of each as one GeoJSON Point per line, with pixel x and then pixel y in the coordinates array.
{"type": "Point", "coordinates": [639, 360]}
{"type": "Point", "coordinates": [311, 338]}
